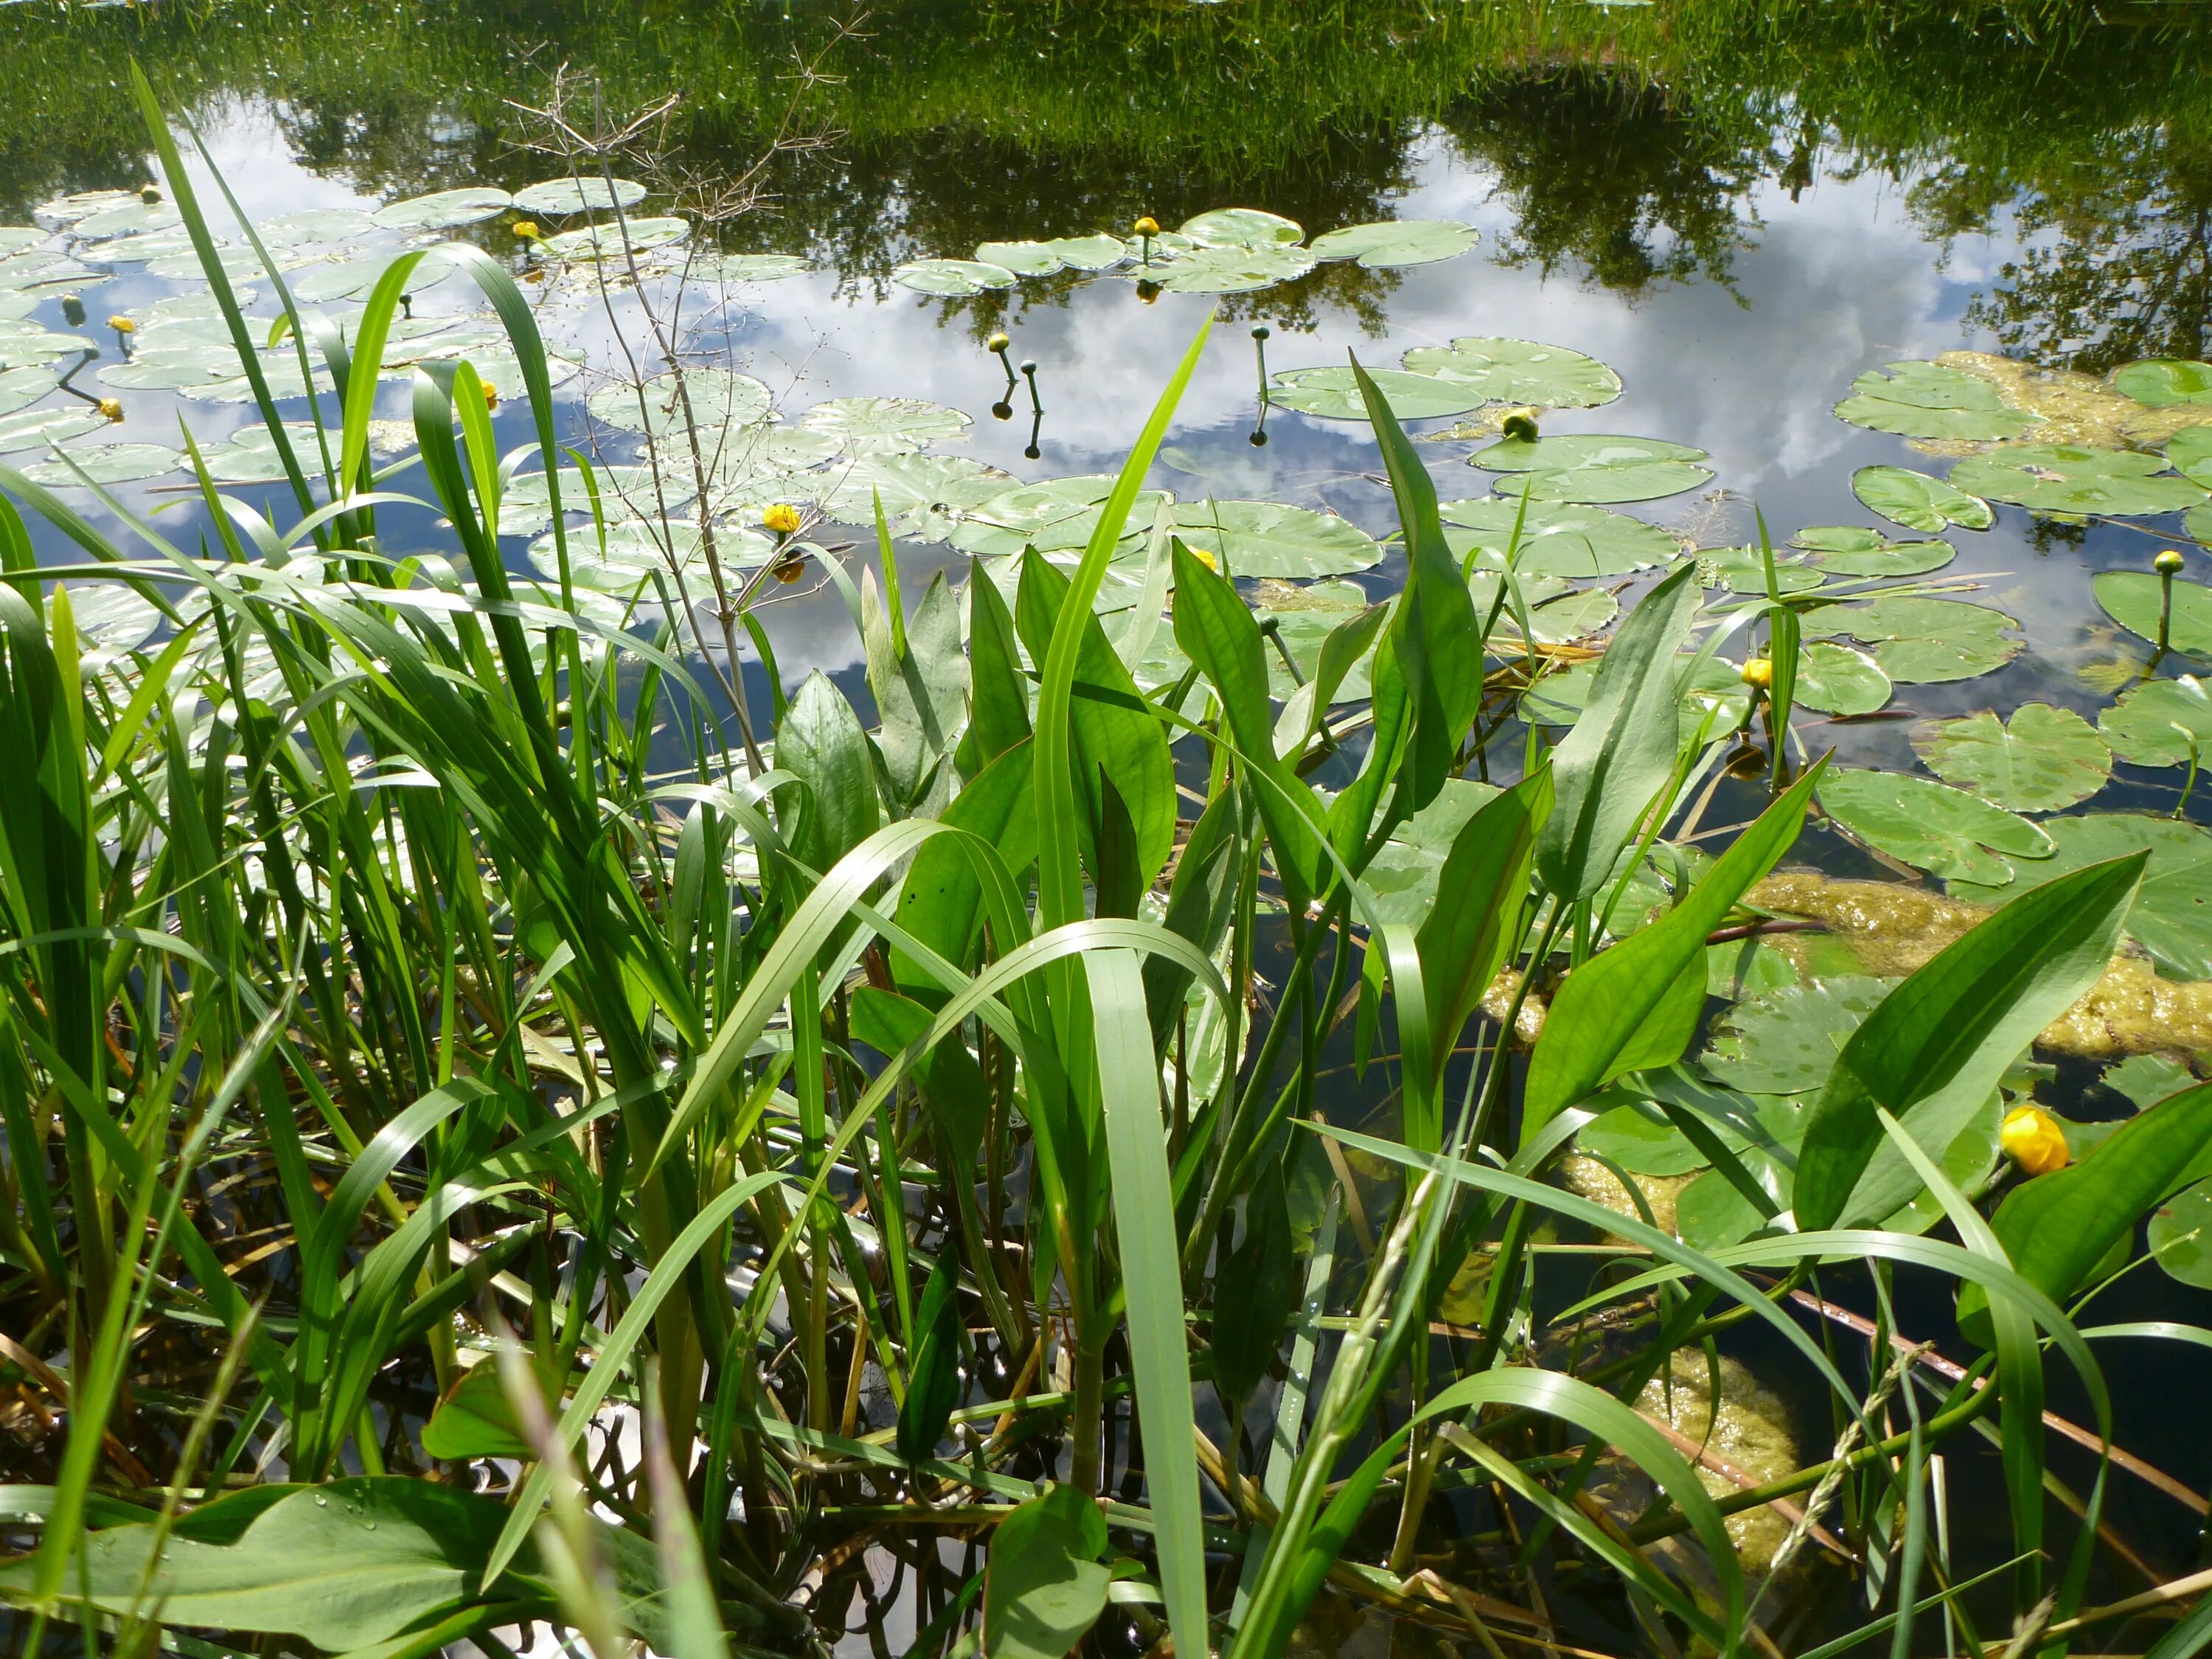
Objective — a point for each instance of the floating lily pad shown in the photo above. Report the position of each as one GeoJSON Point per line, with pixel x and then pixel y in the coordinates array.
{"type": "Point", "coordinates": [1098, 253]}
{"type": "Point", "coordinates": [23, 344]}
{"type": "Point", "coordinates": [1785, 1042]}
{"type": "Point", "coordinates": [443, 209]}
{"type": "Point", "coordinates": [1023, 258]}
{"type": "Point", "coordinates": [1712, 687]}
{"type": "Point", "coordinates": [1230, 268]}
{"type": "Point", "coordinates": [128, 221]}
{"type": "Point", "coordinates": [1575, 616]}
{"type": "Point", "coordinates": [14, 239]}
{"type": "Point", "coordinates": [922, 495]}
{"type": "Point", "coordinates": [1845, 550]}
{"type": "Point", "coordinates": [1557, 539]}
{"type": "Point", "coordinates": [1593, 467]}
{"type": "Point", "coordinates": [1268, 538]}
{"type": "Point", "coordinates": [951, 277]}
{"type": "Point", "coordinates": [164, 371]}
{"type": "Point", "coordinates": [1245, 228]}
{"type": "Point", "coordinates": [236, 262]}
{"type": "Point", "coordinates": [885, 426]}
{"type": "Point", "coordinates": [35, 429]}
{"type": "Point", "coordinates": [1404, 871]}
{"type": "Point", "coordinates": [1918, 501]}
{"type": "Point", "coordinates": [1302, 633]}
{"type": "Point", "coordinates": [2142, 726]}
{"type": "Point", "coordinates": [1923, 641]}
{"type": "Point", "coordinates": [1333, 393]}
{"type": "Point", "coordinates": [566, 196]}
{"type": "Point", "coordinates": [2172, 913]}
{"type": "Point", "coordinates": [2040, 760]}
{"type": "Point", "coordinates": [2163, 382]}
{"type": "Point", "coordinates": [612, 239]}
{"type": "Point", "coordinates": [111, 617]}
{"type": "Point", "coordinates": [2190, 452]}
{"type": "Point", "coordinates": [714, 397]}
{"type": "Point", "coordinates": [1931, 826]}
{"type": "Point", "coordinates": [114, 464]}
{"type": "Point", "coordinates": [2179, 1236]}
{"type": "Point", "coordinates": [526, 505]}
{"type": "Point", "coordinates": [1917, 400]}
{"type": "Point", "coordinates": [1055, 516]}
{"type": "Point", "coordinates": [1743, 570]}
{"type": "Point", "coordinates": [1836, 679]}
{"type": "Point", "coordinates": [1509, 371]}
{"type": "Point", "coordinates": [733, 268]}
{"type": "Point", "coordinates": [2075, 478]}
{"type": "Point", "coordinates": [1395, 242]}
{"type": "Point", "coordinates": [2133, 599]}
{"type": "Point", "coordinates": [22, 387]}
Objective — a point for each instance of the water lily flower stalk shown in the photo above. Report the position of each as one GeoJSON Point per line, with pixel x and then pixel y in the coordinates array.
{"type": "Point", "coordinates": [1260, 350]}
{"type": "Point", "coordinates": [2168, 566]}
{"type": "Point", "coordinates": [1028, 374]}
{"type": "Point", "coordinates": [998, 344]}
{"type": "Point", "coordinates": [2032, 1138]}
{"type": "Point", "coordinates": [1146, 229]}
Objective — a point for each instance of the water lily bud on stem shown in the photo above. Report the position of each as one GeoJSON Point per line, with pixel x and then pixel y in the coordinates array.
{"type": "Point", "coordinates": [1758, 673]}
{"type": "Point", "coordinates": [1146, 229]}
{"type": "Point", "coordinates": [782, 518]}
{"type": "Point", "coordinates": [2031, 1138]}
{"type": "Point", "coordinates": [2168, 566]}
{"type": "Point", "coordinates": [526, 230]}
{"type": "Point", "coordinates": [111, 407]}
{"type": "Point", "coordinates": [122, 325]}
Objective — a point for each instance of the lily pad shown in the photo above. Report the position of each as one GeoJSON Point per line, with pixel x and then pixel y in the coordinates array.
{"type": "Point", "coordinates": [1404, 871]}
{"type": "Point", "coordinates": [2132, 599]}
{"type": "Point", "coordinates": [1932, 826]}
{"type": "Point", "coordinates": [23, 344]}
{"type": "Point", "coordinates": [1918, 501]}
{"type": "Point", "coordinates": [1229, 269]}
{"type": "Point", "coordinates": [1785, 1042]}
{"type": "Point", "coordinates": [1055, 516]}
{"type": "Point", "coordinates": [1836, 679]}
{"type": "Point", "coordinates": [37, 427]}
{"type": "Point", "coordinates": [716, 398]}
{"type": "Point", "coordinates": [1923, 641]}
{"type": "Point", "coordinates": [565, 196]}
{"type": "Point", "coordinates": [1593, 467]}
{"type": "Point", "coordinates": [1097, 252]}
{"type": "Point", "coordinates": [2163, 382]}
{"type": "Point", "coordinates": [1391, 243]}
{"type": "Point", "coordinates": [2141, 726]}
{"type": "Point", "coordinates": [2172, 913]}
{"type": "Point", "coordinates": [2075, 478]}
{"type": "Point", "coordinates": [1268, 538]}
{"type": "Point", "coordinates": [22, 387]}
{"type": "Point", "coordinates": [110, 617]}
{"type": "Point", "coordinates": [1743, 570]}
{"type": "Point", "coordinates": [1575, 616]}
{"type": "Point", "coordinates": [1023, 258]}
{"type": "Point", "coordinates": [2040, 760]}
{"type": "Point", "coordinates": [443, 209]}
{"type": "Point", "coordinates": [127, 221]}
{"type": "Point", "coordinates": [314, 228]}
{"type": "Point", "coordinates": [1915, 399]}
{"type": "Point", "coordinates": [609, 238]}
{"type": "Point", "coordinates": [922, 495]}
{"type": "Point", "coordinates": [954, 278]}
{"type": "Point", "coordinates": [114, 463]}
{"type": "Point", "coordinates": [1520, 371]}
{"type": "Point", "coordinates": [1242, 228]}
{"type": "Point", "coordinates": [734, 268]}
{"type": "Point", "coordinates": [1557, 539]}
{"type": "Point", "coordinates": [1333, 393]}
{"type": "Point", "coordinates": [1867, 553]}
{"type": "Point", "coordinates": [2179, 1235]}
{"type": "Point", "coordinates": [885, 426]}
{"type": "Point", "coordinates": [1712, 687]}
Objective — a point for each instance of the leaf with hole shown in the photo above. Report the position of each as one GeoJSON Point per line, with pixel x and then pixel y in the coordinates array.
{"type": "Point", "coordinates": [1918, 501]}
{"type": "Point", "coordinates": [2039, 760]}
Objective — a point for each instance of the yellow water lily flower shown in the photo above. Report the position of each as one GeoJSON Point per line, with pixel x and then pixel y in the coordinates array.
{"type": "Point", "coordinates": [1148, 226]}
{"type": "Point", "coordinates": [527, 229]}
{"type": "Point", "coordinates": [1206, 558]}
{"type": "Point", "coordinates": [122, 325]}
{"type": "Point", "coordinates": [2167, 563]}
{"type": "Point", "coordinates": [782, 518]}
{"type": "Point", "coordinates": [111, 407]}
{"type": "Point", "coordinates": [998, 342]}
{"type": "Point", "coordinates": [491, 395]}
{"type": "Point", "coordinates": [2032, 1138]}
{"type": "Point", "coordinates": [1758, 673]}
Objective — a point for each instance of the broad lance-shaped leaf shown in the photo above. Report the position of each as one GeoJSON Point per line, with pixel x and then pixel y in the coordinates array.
{"type": "Point", "coordinates": [1938, 1042]}
{"type": "Point", "coordinates": [933, 1383]}
{"type": "Point", "coordinates": [820, 742]}
{"type": "Point", "coordinates": [1044, 1587]}
{"type": "Point", "coordinates": [940, 902]}
{"type": "Point", "coordinates": [1625, 1008]}
{"type": "Point", "coordinates": [1622, 748]}
{"type": "Point", "coordinates": [1256, 1290]}
{"type": "Point", "coordinates": [1215, 628]}
{"type": "Point", "coordinates": [999, 697]}
{"type": "Point", "coordinates": [2057, 1227]}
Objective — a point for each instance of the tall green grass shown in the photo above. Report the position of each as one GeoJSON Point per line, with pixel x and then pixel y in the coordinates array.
{"type": "Point", "coordinates": [487, 1156]}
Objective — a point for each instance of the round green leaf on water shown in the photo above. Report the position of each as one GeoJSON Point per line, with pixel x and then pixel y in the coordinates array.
{"type": "Point", "coordinates": [1743, 570]}
{"type": "Point", "coordinates": [1055, 516]}
{"type": "Point", "coordinates": [885, 426]}
{"type": "Point", "coordinates": [1269, 538]}
{"type": "Point", "coordinates": [1023, 258]}
{"type": "Point", "coordinates": [1573, 616]}
{"type": "Point", "coordinates": [2040, 760]}
{"type": "Point", "coordinates": [443, 208]}
{"type": "Point", "coordinates": [1915, 399]}
{"type": "Point", "coordinates": [1640, 1145]}
{"type": "Point", "coordinates": [314, 228]}
{"type": "Point", "coordinates": [1923, 641]}
{"type": "Point", "coordinates": [1229, 269]}
{"type": "Point", "coordinates": [2172, 913]}
{"type": "Point", "coordinates": [35, 429]}
{"type": "Point", "coordinates": [715, 399]}
{"type": "Point", "coordinates": [1593, 467]}
{"type": "Point", "coordinates": [567, 196]}
{"type": "Point", "coordinates": [1931, 826]}
{"type": "Point", "coordinates": [954, 278]}
{"type": "Point", "coordinates": [1302, 633]}
{"type": "Point", "coordinates": [1835, 679]}
{"type": "Point", "coordinates": [2190, 452]}
{"type": "Point", "coordinates": [1918, 501]}
{"type": "Point", "coordinates": [2181, 1233]}
{"type": "Point", "coordinates": [612, 239]}
{"type": "Point", "coordinates": [1889, 561]}
{"type": "Point", "coordinates": [1715, 688]}
{"type": "Point", "coordinates": [2132, 599]}
{"type": "Point", "coordinates": [922, 495]}
{"type": "Point", "coordinates": [1520, 371]}
{"type": "Point", "coordinates": [22, 387]}
{"type": "Point", "coordinates": [2163, 382]}
{"type": "Point", "coordinates": [1244, 228]}
{"type": "Point", "coordinates": [1397, 242]}
{"type": "Point", "coordinates": [1333, 393]}
{"type": "Point", "coordinates": [733, 268]}
{"type": "Point", "coordinates": [1404, 871]}
{"type": "Point", "coordinates": [1785, 1042]}
{"type": "Point", "coordinates": [114, 463]}
{"type": "Point", "coordinates": [1098, 253]}
{"type": "Point", "coordinates": [1557, 539]}
{"type": "Point", "coordinates": [129, 220]}
{"type": "Point", "coordinates": [23, 344]}
{"type": "Point", "coordinates": [2141, 726]}
{"type": "Point", "coordinates": [2075, 478]}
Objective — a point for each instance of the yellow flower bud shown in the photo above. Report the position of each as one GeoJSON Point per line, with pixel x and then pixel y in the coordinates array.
{"type": "Point", "coordinates": [782, 518]}
{"type": "Point", "coordinates": [527, 229]}
{"type": "Point", "coordinates": [1758, 673]}
{"type": "Point", "coordinates": [491, 395]}
{"type": "Point", "coordinates": [2167, 563]}
{"type": "Point", "coordinates": [2032, 1138]}
{"type": "Point", "coordinates": [998, 342]}
{"type": "Point", "coordinates": [112, 407]}
{"type": "Point", "coordinates": [1520, 423]}
{"type": "Point", "coordinates": [1148, 226]}
{"type": "Point", "coordinates": [122, 325]}
{"type": "Point", "coordinates": [1206, 558]}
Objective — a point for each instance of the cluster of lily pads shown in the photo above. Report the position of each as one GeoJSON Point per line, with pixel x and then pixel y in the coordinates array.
{"type": "Point", "coordinates": [1225, 250]}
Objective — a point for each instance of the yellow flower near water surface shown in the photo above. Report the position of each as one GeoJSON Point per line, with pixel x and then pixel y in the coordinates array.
{"type": "Point", "coordinates": [2167, 563]}
{"type": "Point", "coordinates": [1206, 558]}
{"type": "Point", "coordinates": [1146, 226]}
{"type": "Point", "coordinates": [782, 518]}
{"type": "Point", "coordinates": [1758, 673]}
{"type": "Point", "coordinates": [122, 325]}
{"type": "Point", "coordinates": [527, 229]}
{"type": "Point", "coordinates": [2031, 1138]}
{"type": "Point", "coordinates": [111, 407]}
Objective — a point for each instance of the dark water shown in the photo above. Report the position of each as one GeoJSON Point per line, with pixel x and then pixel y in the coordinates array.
{"type": "Point", "coordinates": [1739, 208]}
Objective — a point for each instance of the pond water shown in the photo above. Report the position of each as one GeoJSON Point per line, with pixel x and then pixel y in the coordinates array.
{"type": "Point", "coordinates": [1739, 217]}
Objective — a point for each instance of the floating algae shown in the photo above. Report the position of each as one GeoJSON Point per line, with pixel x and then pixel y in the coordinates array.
{"type": "Point", "coordinates": [2074, 408]}
{"type": "Point", "coordinates": [1745, 1443]}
